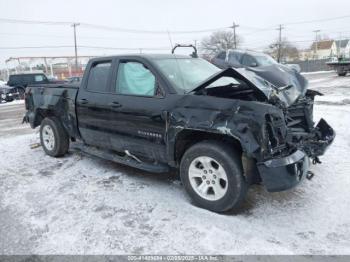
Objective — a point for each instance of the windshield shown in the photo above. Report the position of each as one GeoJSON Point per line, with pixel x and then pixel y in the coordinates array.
{"type": "Point", "coordinates": [265, 60]}
{"type": "Point", "coordinates": [187, 73]}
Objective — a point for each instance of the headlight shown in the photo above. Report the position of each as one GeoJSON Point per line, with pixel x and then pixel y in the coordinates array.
{"type": "Point", "coordinates": [10, 94]}
{"type": "Point", "coordinates": [3, 96]}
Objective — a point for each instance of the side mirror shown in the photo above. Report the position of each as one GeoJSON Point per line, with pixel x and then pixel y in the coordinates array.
{"type": "Point", "coordinates": [253, 64]}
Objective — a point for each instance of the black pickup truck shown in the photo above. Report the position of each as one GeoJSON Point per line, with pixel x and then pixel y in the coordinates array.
{"type": "Point", "coordinates": [222, 129]}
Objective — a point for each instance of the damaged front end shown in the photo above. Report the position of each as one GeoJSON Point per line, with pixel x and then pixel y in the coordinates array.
{"type": "Point", "coordinates": [291, 143]}
{"type": "Point", "coordinates": [288, 138]}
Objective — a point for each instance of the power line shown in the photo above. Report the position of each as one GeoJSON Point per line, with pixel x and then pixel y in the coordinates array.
{"type": "Point", "coordinates": [19, 21]}
{"type": "Point", "coordinates": [125, 48]}
{"type": "Point", "coordinates": [111, 28]}
{"type": "Point", "coordinates": [86, 46]}
{"type": "Point", "coordinates": [128, 30]}
{"type": "Point", "coordinates": [37, 47]}
{"type": "Point", "coordinates": [318, 20]}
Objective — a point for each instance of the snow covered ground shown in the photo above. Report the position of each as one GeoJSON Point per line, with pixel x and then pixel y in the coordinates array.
{"type": "Point", "coordinates": [84, 205]}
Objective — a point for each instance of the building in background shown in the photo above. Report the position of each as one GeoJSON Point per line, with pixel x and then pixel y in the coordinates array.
{"type": "Point", "coordinates": [323, 49]}
{"type": "Point", "coordinates": [54, 66]}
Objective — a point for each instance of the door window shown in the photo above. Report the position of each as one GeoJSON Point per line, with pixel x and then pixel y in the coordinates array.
{"type": "Point", "coordinates": [234, 57]}
{"type": "Point", "coordinates": [248, 60]}
{"type": "Point", "coordinates": [98, 77]}
{"type": "Point", "coordinates": [134, 78]}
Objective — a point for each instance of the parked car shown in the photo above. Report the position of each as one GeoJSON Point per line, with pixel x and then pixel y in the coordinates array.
{"type": "Point", "coordinates": [10, 93]}
{"type": "Point", "coordinates": [222, 129]}
{"type": "Point", "coordinates": [74, 79]}
{"type": "Point", "coordinates": [242, 58]}
{"type": "Point", "coordinates": [21, 81]}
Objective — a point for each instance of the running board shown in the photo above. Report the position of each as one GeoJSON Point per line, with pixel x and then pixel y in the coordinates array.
{"type": "Point", "coordinates": [128, 159]}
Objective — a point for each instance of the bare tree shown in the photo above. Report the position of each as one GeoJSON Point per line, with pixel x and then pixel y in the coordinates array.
{"type": "Point", "coordinates": [218, 41]}
{"type": "Point", "coordinates": [287, 50]}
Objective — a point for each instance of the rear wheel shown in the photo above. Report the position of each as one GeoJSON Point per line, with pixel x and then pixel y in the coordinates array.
{"type": "Point", "coordinates": [212, 175]}
{"type": "Point", "coordinates": [53, 137]}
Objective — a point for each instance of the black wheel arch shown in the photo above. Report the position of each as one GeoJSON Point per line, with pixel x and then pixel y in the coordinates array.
{"type": "Point", "coordinates": [40, 114]}
{"type": "Point", "coordinates": [188, 137]}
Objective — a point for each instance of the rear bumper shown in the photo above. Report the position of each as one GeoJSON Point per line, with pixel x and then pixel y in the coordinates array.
{"type": "Point", "coordinates": [280, 174]}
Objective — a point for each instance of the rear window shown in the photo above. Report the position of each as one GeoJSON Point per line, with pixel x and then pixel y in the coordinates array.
{"type": "Point", "coordinates": [98, 77]}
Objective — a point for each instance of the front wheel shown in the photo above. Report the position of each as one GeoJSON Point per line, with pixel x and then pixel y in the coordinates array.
{"type": "Point", "coordinates": [53, 137]}
{"type": "Point", "coordinates": [212, 175]}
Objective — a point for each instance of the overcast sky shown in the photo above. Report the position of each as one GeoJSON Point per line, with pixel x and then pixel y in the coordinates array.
{"type": "Point", "coordinates": [162, 15]}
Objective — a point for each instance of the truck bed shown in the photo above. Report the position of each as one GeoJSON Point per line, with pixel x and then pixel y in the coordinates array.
{"type": "Point", "coordinates": [55, 100]}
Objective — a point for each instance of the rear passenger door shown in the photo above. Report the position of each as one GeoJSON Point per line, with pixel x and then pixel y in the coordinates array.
{"type": "Point", "coordinates": [92, 105]}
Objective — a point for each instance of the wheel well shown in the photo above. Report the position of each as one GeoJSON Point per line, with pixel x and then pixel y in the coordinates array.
{"type": "Point", "coordinates": [41, 114]}
{"type": "Point", "coordinates": [187, 138]}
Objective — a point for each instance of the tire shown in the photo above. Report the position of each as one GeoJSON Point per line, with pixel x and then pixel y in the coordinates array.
{"type": "Point", "coordinates": [53, 137]}
{"type": "Point", "coordinates": [225, 193]}
{"type": "Point", "coordinates": [342, 73]}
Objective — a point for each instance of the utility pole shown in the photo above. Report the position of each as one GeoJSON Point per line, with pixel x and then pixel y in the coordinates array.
{"type": "Point", "coordinates": [316, 42]}
{"type": "Point", "coordinates": [74, 25]}
{"type": "Point", "coordinates": [234, 25]}
{"type": "Point", "coordinates": [279, 51]}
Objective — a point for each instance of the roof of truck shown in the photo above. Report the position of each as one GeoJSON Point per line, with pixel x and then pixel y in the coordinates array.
{"type": "Point", "coordinates": [148, 56]}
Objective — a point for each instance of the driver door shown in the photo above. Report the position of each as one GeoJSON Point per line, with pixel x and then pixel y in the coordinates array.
{"type": "Point", "coordinates": [137, 113]}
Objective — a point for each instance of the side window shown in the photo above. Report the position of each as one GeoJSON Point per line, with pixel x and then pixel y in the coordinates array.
{"type": "Point", "coordinates": [221, 56]}
{"type": "Point", "coordinates": [38, 78]}
{"type": "Point", "coordinates": [234, 57]}
{"type": "Point", "coordinates": [248, 60]}
{"type": "Point", "coordinates": [98, 77]}
{"type": "Point", "coordinates": [134, 78]}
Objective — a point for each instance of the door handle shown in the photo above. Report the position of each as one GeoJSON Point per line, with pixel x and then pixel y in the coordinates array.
{"type": "Point", "coordinates": [83, 101]}
{"type": "Point", "coordinates": [115, 104]}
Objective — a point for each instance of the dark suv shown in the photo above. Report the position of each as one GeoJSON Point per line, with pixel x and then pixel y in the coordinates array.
{"type": "Point", "coordinates": [19, 82]}
{"type": "Point", "coordinates": [23, 80]}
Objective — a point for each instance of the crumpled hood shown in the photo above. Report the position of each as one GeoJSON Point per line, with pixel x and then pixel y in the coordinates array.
{"type": "Point", "coordinates": [279, 76]}
{"type": "Point", "coordinates": [268, 80]}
